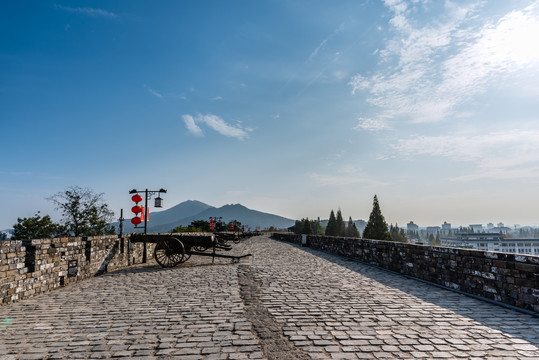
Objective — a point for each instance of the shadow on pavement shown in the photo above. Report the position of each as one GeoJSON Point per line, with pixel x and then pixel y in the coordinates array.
{"type": "Point", "coordinates": [493, 316]}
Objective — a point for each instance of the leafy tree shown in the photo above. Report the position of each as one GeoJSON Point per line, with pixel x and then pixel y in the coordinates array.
{"type": "Point", "coordinates": [298, 227]}
{"type": "Point", "coordinates": [203, 225]}
{"type": "Point", "coordinates": [352, 230]}
{"type": "Point", "coordinates": [376, 228]}
{"type": "Point", "coordinates": [307, 229]}
{"type": "Point", "coordinates": [331, 228]}
{"type": "Point", "coordinates": [84, 213]}
{"type": "Point", "coordinates": [398, 234]}
{"type": "Point", "coordinates": [36, 227]}
{"type": "Point", "coordinates": [317, 228]}
{"type": "Point", "coordinates": [186, 229]}
{"type": "Point", "coordinates": [341, 227]}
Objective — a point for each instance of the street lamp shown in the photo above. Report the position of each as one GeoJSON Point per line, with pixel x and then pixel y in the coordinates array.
{"type": "Point", "coordinates": [158, 204]}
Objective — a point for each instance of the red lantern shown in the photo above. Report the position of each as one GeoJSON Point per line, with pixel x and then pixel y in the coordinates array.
{"type": "Point", "coordinates": [136, 209]}
{"type": "Point", "coordinates": [136, 220]}
{"type": "Point", "coordinates": [136, 198]}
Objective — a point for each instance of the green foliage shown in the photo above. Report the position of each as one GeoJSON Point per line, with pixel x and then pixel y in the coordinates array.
{"type": "Point", "coordinates": [36, 227]}
{"type": "Point", "coordinates": [84, 212]}
{"type": "Point", "coordinates": [186, 229]}
{"type": "Point", "coordinates": [341, 227]}
{"type": "Point", "coordinates": [203, 225]}
{"type": "Point", "coordinates": [398, 234]}
{"type": "Point", "coordinates": [307, 230]}
{"type": "Point", "coordinates": [316, 228]}
{"type": "Point", "coordinates": [331, 228]}
{"type": "Point", "coordinates": [308, 227]}
{"type": "Point", "coordinates": [376, 228]}
{"type": "Point", "coordinates": [298, 227]}
{"type": "Point", "coordinates": [351, 229]}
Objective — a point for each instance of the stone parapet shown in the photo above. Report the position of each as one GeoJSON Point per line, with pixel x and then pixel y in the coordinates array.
{"type": "Point", "coordinates": [35, 266]}
{"type": "Point", "coordinates": [506, 278]}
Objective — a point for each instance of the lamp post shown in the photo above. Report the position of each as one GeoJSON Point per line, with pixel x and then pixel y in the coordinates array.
{"type": "Point", "coordinates": [158, 204]}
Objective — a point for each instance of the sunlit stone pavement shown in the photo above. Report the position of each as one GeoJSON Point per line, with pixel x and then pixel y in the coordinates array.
{"type": "Point", "coordinates": [284, 302]}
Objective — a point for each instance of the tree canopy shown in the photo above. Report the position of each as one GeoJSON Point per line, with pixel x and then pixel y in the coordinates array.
{"type": "Point", "coordinates": [84, 213]}
{"type": "Point", "coordinates": [331, 228]}
{"type": "Point", "coordinates": [351, 229]}
{"type": "Point", "coordinates": [36, 227]}
{"type": "Point", "coordinates": [376, 228]}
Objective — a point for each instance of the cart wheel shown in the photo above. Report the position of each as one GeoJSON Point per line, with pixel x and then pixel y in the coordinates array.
{"type": "Point", "coordinates": [169, 252]}
{"type": "Point", "coordinates": [187, 254]}
{"type": "Point", "coordinates": [200, 248]}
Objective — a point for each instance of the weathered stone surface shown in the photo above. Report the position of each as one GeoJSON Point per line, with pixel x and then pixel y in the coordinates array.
{"type": "Point", "coordinates": [502, 277]}
{"type": "Point", "coordinates": [323, 306]}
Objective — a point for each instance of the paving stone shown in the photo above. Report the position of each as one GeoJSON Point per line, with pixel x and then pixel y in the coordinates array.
{"type": "Point", "coordinates": [323, 305]}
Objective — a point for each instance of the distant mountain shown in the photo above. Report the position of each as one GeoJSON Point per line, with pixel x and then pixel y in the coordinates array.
{"type": "Point", "coordinates": [180, 211]}
{"type": "Point", "coordinates": [189, 211]}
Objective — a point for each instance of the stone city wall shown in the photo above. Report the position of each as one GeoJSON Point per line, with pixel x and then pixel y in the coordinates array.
{"type": "Point", "coordinates": [35, 266]}
{"type": "Point", "coordinates": [507, 278]}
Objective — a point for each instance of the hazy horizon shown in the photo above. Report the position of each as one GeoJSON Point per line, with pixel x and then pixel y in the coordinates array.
{"type": "Point", "coordinates": [290, 108]}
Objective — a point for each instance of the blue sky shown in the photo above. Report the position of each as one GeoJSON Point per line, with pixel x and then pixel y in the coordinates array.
{"type": "Point", "coordinates": [288, 107]}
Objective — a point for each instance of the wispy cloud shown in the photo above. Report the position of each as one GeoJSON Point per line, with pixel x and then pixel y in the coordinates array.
{"type": "Point", "coordinates": [511, 154]}
{"type": "Point", "coordinates": [87, 11]}
{"type": "Point", "coordinates": [430, 71]}
{"type": "Point", "coordinates": [155, 93]}
{"type": "Point", "coordinates": [215, 123]}
{"type": "Point", "coordinates": [191, 125]}
{"type": "Point", "coordinates": [325, 41]}
{"type": "Point", "coordinates": [371, 124]}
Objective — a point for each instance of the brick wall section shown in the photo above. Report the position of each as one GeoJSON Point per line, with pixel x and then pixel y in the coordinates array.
{"type": "Point", "coordinates": [32, 267]}
{"type": "Point", "coordinates": [507, 278]}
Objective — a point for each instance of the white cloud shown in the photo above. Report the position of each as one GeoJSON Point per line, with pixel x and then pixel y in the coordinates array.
{"type": "Point", "coordinates": [155, 93]}
{"type": "Point", "coordinates": [371, 124]}
{"type": "Point", "coordinates": [87, 11]}
{"type": "Point", "coordinates": [511, 154]}
{"type": "Point", "coordinates": [218, 98]}
{"type": "Point", "coordinates": [325, 41]}
{"type": "Point", "coordinates": [217, 124]}
{"type": "Point", "coordinates": [192, 126]}
{"type": "Point", "coordinates": [341, 180]}
{"type": "Point", "coordinates": [432, 70]}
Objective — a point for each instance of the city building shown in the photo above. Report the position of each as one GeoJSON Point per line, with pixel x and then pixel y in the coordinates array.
{"type": "Point", "coordinates": [476, 227]}
{"type": "Point", "coordinates": [433, 230]}
{"type": "Point", "coordinates": [492, 242]}
{"type": "Point", "coordinates": [412, 227]}
{"type": "Point", "coordinates": [446, 228]}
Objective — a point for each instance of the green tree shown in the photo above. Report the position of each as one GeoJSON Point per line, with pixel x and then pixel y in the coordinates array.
{"type": "Point", "coordinates": [203, 225]}
{"type": "Point", "coordinates": [84, 213]}
{"type": "Point", "coordinates": [298, 227]}
{"type": "Point", "coordinates": [376, 228]}
{"type": "Point", "coordinates": [317, 228]}
{"type": "Point", "coordinates": [307, 229]}
{"type": "Point", "coordinates": [352, 230]}
{"type": "Point", "coordinates": [397, 234]}
{"type": "Point", "coordinates": [36, 227]}
{"type": "Point", "coordinates": [341, 227]}
{"type": "Point", "coordinates": [331, 228]}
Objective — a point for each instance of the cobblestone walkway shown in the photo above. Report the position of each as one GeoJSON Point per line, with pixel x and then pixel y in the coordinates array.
{"type": "Point", "coordinates": [285, 302]}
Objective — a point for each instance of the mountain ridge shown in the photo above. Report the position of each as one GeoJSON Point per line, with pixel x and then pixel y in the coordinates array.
{"type": "Point", "coordinates": [188, 211]}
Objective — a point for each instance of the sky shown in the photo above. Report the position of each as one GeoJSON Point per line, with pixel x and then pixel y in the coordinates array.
{"type": "Point", "coordinates": [294, 108]}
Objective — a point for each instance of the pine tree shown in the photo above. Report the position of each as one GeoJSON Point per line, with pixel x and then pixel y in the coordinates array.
{"type": "Point", "coordinates": [376, 228]}
{"type": "Point", "coordinates": [352, 230]}
{"type": "Point", "coordinates": [331, 228]}
{"type": "Point", "coordinates": [341, 227]}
